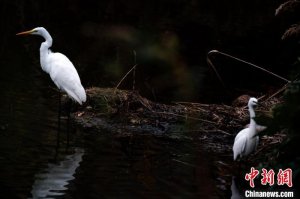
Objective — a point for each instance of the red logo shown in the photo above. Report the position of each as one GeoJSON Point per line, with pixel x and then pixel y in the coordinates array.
{"type": "Point", "coordinates": [283, 177]}
{"type": "Point", "coordinates": [250, 176]}
{"type": "Point", "coordinates": [268, 177]}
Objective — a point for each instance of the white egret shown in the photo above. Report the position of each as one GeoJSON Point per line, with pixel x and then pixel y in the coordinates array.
{"type": "Point", "coordinates": [247, 139]}
{"type": "Point", "coordinates": [59, 67]}
{"type": "Point", "coordinates": [61, 71]}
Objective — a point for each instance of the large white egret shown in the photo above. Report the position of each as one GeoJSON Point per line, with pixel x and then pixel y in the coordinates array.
{"type": "Point", "coordinates": [247, 139]}
{"type": "Point", "coordinates": [59, 67]}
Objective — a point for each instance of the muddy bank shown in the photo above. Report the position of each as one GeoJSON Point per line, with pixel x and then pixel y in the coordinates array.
{"type": "Point", "coordinates": [126, 113]}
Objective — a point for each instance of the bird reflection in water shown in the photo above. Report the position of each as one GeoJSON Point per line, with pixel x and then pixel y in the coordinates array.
{"type": "Point", "coordinates": [53, 180]}
{"type": "Point", "coordinates": [235, 193]}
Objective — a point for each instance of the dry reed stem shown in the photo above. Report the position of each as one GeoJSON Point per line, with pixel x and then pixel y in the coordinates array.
{"type": "Point", "coordinates": [277, 92]}
{"type": "Point", "coordinates": [245, 62]}
{"type": "Point", "coordinates": [133, 68]}
{"type": "Point", "coordinates": [214, 68]}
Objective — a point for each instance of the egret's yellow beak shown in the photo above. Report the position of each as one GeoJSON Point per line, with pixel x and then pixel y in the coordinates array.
{"type": "Point", "coordinates": [25, 32]}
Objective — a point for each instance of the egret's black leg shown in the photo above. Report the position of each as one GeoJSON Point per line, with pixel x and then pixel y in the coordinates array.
{"type": "Point", "coordinates": [68, 122]}
{"type": "Point", "coordinates": [58, 120]}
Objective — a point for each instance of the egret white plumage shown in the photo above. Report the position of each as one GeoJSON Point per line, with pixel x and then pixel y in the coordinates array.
{"type": "Point", "coordinates": [59, 67]}
{"type": "Point", "coordinates": [246, 140]}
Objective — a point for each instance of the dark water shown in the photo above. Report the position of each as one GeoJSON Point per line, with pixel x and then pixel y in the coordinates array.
{"type": "Point", "coordinates": [95, 165]}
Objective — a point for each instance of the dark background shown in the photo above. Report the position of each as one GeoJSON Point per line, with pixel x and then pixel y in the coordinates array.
{"type": "Point", "coordinates": [171, 40]}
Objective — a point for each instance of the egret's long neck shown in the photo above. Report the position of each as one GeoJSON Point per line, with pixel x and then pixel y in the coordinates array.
{"type": "Point", "coordinates": [45, 51]}
{"type": "Point", "coordinates": [252, 121]}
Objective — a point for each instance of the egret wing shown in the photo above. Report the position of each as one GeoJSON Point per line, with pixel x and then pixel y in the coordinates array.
{"type": "Point", "coordinates": [240, 134]}
{"type": "Point", "coordinates": [66, 78]}
{"type": "Point", "coordinates": [239, 145]}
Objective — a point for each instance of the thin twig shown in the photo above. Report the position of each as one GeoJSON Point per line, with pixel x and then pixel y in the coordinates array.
{"type": "Point", "coordinates": [214, 68]}
{"type": "Point", "coordinates": [133, 74]}
{"type": "Point", "coordinates": [277, 92]}
{"type": "Point", "coordinates": [193, 103]}
{"type": "Point", "coordinates": [203, 131]}
{"type": "Point", "coordinates": [217, 131]}
{"type": "Point", "coordinates": [124, 77]}
{"type": "Point", "coordinates": [185, 116]}
{"type": "Point", "coordinates": [185, 163]}
{"type": "Point", "coordinates": [243, 61]}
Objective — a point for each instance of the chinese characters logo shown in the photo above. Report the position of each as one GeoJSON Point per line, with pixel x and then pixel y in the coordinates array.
{"type": "Point", "coordinates": [268, 177]}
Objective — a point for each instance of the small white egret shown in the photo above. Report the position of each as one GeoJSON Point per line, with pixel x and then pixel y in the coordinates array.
{"type": "Point", "coordinates": [59, 67]}
{"type": "Point", "coordinates": [247, 139]}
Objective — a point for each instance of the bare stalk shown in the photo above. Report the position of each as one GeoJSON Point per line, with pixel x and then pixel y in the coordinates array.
{"type": "Point", "coordinates": [214, 68]}
{"type": "Point", "coordinates": [243, 61]}
{"type": "Point", "coordinates": [125, 77]}
{"type": "Point", "coordinates": [133, 74]}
